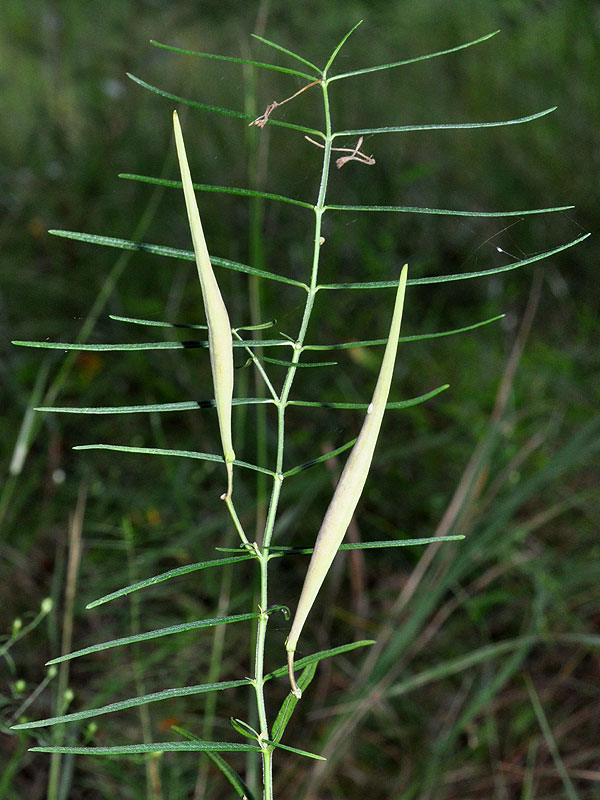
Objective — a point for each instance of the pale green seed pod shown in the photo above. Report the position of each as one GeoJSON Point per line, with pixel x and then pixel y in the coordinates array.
{"type": "Point", "coordinates": [220, 343]}
{"type": "Point", "coordinates": [350, 486]}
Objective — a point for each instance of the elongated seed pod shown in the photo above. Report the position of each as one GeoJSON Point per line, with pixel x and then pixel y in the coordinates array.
{"type": "Point", "coordinates": [220, 344]}
{"type": "Point", "coordinates": [349, 488]}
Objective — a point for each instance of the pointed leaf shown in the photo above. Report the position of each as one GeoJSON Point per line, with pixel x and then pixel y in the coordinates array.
{"type": "Point", "coordinates": [304, 753]}
{"type": "Point", "coordinates": [260, 64]}
{"type": "Point", "coordinates": [132, 702]}
{"type": "Point", "coordinates": [412, 60]}
{"type": "Point", "coordinates": [450, 212]}
{"type": "Point", "coordinates": [157, 451]}
{"type": "Point", "coordinates": [314, 461]}
{"type": "Point", "coordinates": [414, 401]}
{"type": "Point", "coordinates": [172, 252]}
{"type": "Point", "coordinates": [191, 405]}
{"type": "Point", "coordinates": [445, 126]}
{"type": "Point", "coordinates": [461, 276]}
{"type": "Point", "coordinates": [320, 656]}
{"type": "Point", "coordinates": [416, 338]}
{"type": "Point", "coordinates": [217, 110]}
{"type": "Point", "coordinates": [243, 728]}
{"type": "Point", "coordinates": [291, 701]}
{"type": "Point", "coordinates": [288, 53]}
{"type": "Point", "coordinates": [155, 634]}
{"type": "Point", "coordinates": [197, 746]}
{"type": "Point", "coordinates": [281, 363]}
{"type": "Point", "coordinates": [333, 56]}
{"type": "Point", "coordinates": [165, 576]}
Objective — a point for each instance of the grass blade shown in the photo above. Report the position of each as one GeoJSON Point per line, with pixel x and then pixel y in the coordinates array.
{"type": "Point", "coordinates": [232, 59]}
{"type": "Point", "coordinates": [204, 187]}
{"type": "Point", "coordinates": [412, 60]}
{"type": "Point", "coordinates": [132, 702]}
{"type": "Point", "coordinates": [550, 741]}
{"type": "Point", "coordinates": [445, 126]}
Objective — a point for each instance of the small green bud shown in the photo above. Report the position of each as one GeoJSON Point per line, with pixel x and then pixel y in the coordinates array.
{"type": "Point", "coordinates": [17, 625]}
{"type": "Point", "coordinates": [68, 696]}
{"type": "Point", "coordinates": [47, 604]}
{"type": "Point", "coordinates": [52, 671]}
{"type": "Point", "coordinates": [20, 686]}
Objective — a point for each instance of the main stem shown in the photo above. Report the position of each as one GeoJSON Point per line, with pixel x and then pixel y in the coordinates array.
{"type": "Point", "coordinates": [264, 557]}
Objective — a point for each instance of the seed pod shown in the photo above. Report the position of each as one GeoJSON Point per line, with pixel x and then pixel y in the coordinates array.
{"type": "Point", "coordinates": [349, 488]}
{"type": "Point", "coordinates": [220, 344]}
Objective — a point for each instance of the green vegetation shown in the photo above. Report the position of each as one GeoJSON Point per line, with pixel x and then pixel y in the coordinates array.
{"type": "Point", "coordinates": [481, 681]}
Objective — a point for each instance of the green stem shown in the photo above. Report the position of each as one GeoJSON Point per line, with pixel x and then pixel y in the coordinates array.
{"type": "Point", "coordinates": [281, 403]}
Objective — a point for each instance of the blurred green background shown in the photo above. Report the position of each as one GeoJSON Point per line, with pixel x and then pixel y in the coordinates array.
{"type": "Point", "coordinates": [528, 572]}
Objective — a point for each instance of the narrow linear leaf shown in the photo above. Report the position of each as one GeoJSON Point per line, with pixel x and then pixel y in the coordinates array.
{"type": "Point", "coordinates": [260, 64]}
{"type": "Point", "coordinates": [155, 634]}
{"type": "Point", "coordinates": [445, 126]}
{"type": "Point", "coordinates": [239, 785]}
{"type": "Point", "coordinates": [243, 728]}
{"type": "Point", "coordinates": [296, 551]}
{"type": "Point", "coordinates": [157, 323]}
{"type": "Point", "coordinates": [132, 702]}
{"type": "Point", "coordinates": [196, 746]}
{"type": "Point", "coordinates": [172, 252]}
{"type": "Point", "coordinates": [414, 401]}
{"type": "Point", "coordinates": [288, 364]}
{"type": "Point", "coordinates": [165, 576]}
{"type": "Point", "coordinates": [416, 338]}
{"type": "Point", "coordinates": [228, 112]}
{"type": "Point", "coordinates": [319, 460]}
{"type": "Point", "coordinates": [288, 53]}
{"type": "Point", "coordinates": [333, 56]}
{"type": "Point", "coordinates": [461, 276]}
{"type": "Point", "coordinates": [205, 187]}
{"type": "Point", "coordinates": [450, 212]}
{"type": "Point", "coordinates": [234, 779]}
{"type": "Point", "coordinates": [291, 701]}
{"type": "Point", "coordinates": [191, 405]}
{"type": "Point", "coordinates": [412, 60]}
{"type": "Point", "coordinates": [320, 656]}
{"type": "Point", "coordinates": [157, 451]}
{"type": "Point", "coordinates": [299, 752]}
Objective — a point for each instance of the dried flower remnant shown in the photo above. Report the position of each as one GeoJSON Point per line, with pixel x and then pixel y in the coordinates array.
{"type": "Point", "coordinates": [355, 154]}
{"type": "Point", "coordinates": [220, 342]}
{"type": "Point", "coordinates": [350, 486]}
{"type": "Point", "coordinates": [261, 121]}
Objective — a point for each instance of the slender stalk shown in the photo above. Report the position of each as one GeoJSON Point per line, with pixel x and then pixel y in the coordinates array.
{"type": "Point", "coordinates": [281, 404]}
